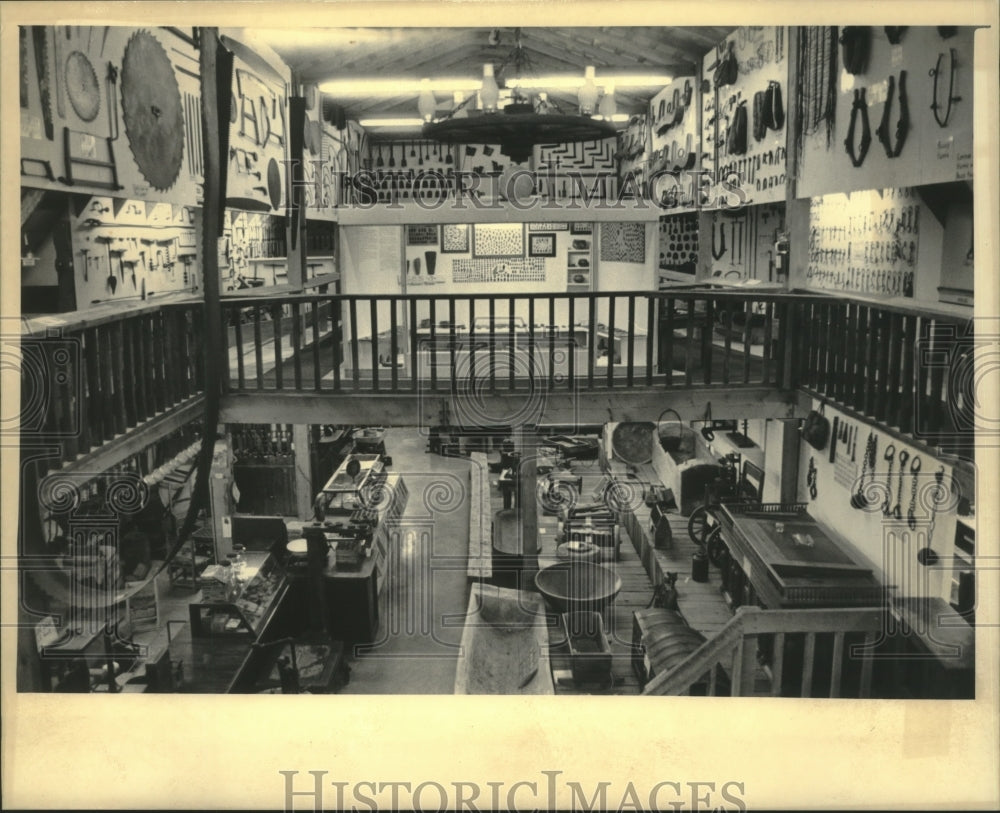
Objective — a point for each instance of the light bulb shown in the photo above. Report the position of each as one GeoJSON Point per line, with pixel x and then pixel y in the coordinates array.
{"type": "Point", "coordinates": [426, 104]}
{"type": "Point", "coordinates": [458, 98]}
{"type": "Point", "coordinates": [587, 95]}
{"type": "Point", "coordinates": [608, 106]}
{"type": "Point", "coordinates": [489, 94]}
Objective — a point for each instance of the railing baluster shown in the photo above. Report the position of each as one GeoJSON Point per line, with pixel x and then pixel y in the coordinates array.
{"type": "Point", "coordinates": [511, 344]}
{"type": "Point", "coordinates": [814, 345]}
{"type": "Point", "coordinates": [651, 334]}
{"type": "Point", "coordinates": [844, 364]}
{"type": "Point", "coordinates": [808, 664]}
{"type": "Point", "coordinates": [612, 340]}
{"type": "Point", "coordinates": [68, 398]}
{"type": "Point", "coordinates": [277, 324]}
{"type": "Point", "coordinates": [591, 338]}
{"type": "Point", "coordinates": [860, 356]}
{"type": "Point", "coordinates": [668, 340]}
{"type": "Point", "coordinates": [895, 340]}
{"type": "Point", "coordinates": [107, 381]}
{"type": "Point", "coordinates": [493, 345]}
{"type": "Point", "coordinates": [871, 367]}
{"type": "Point", "coordinates": [258, 347]}
{"type": "Point", "coordinates": [169, 359]}
{"type": "Point", "coordinates": [472, 344]}
{"type": "Point", "coordinates": [629, 376]}
{"type": "Point", "coordinates": [767, 356]}
{"type": "Point", "coordinates": [142, 367]}
{"type": "Point", "coordinates": [452, 345]}
{"type": "Point", "coordinates": [376, 348]}
{"type": "Point", "coordinates": [708, 342]}
{"type": "Point", "coordinates": [571, 350]}
{"type": "Point", "coordinates": [317, 368]}
{"type": "Point", "coordinates": [838, 664]}
{"type": "Point", "coordinates": [552, 342]}
{"type": "Point", "coordinates": [748, 676]}
{"type": "Point", "coordinates": [777, 664]}
{"type": "Point", "coordinates": [352, 308]}
{"type": "Point", "coordinates": [83, 385]}
{"type": "Point", "coordinates": [297, 345]}
{"type": "Point", "coordinates": [907, 393]}
{"type": "Point", "coordinates": [531, 343]}
{"type": "Point", "coordinates": [393, 342]}
{"type": "Point", "coordinates": [936, 397]}
{"type": "Point", "coordinates": [131, 373]}
{"type": "Point", "coordinates": [850, 340]}
{"type": "Point", "coordinates": [747, 337]}
{"type": "Point", "coordinates": [689, 345]}
{"type": "Point", "coordinates": [727, 341]}
{"type": "Point", "coordinates": [735, 683]}
{"type": "Point", "coordinates": [241, 373]}
{"type": "Point", "coordinates": [882, 372]}
{"type": "Point", "coordinates": [433, 341]}
{"type": "Point", "coordinates": [867, 661]}
{"type": "Point", "coordinates": [414, 348]}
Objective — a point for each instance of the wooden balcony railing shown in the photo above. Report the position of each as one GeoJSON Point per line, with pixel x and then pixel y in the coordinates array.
{"type": "Point", "coordinates": [92, 381]}
{"type": "Point", "coordinates": [908, 369]}
{"type": "Point", "coordinates": [782, 653]}
{"type": "Point", "coordinates": [590, 341]}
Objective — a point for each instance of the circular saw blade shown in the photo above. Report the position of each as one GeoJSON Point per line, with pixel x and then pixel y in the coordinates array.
{"type": "Point", "coordinates": [81, 86]}
{"type": "Point", "coordinates": [151, 107]}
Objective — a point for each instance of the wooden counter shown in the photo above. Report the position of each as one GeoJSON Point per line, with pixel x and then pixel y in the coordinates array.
{"type": "Point", "coordinates": [505, 644]}
{"type": "Point", "coordinates": [352, 591]}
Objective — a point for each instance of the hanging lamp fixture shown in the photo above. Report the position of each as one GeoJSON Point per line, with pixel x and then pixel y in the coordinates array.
{"type": "Point", "coordinates": [519, 125]}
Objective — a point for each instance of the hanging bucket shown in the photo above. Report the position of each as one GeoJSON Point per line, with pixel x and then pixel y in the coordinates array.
{"type": "Point", "coordinates": [669, 434]}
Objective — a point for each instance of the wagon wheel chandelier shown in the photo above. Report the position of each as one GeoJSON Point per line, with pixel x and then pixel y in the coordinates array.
{"type": "Point", "coordinates": [520, 124]}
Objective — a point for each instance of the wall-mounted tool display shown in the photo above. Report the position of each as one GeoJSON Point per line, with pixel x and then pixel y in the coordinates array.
{"type": "Point", "coordinates": [866, 242]}
{"type": "Point", "coordinates": [744, 141]}
{"type": "Point", "coordinates": [74, 117]}
{"type": "Point", "coordinates": [257, 133]}
{"type": "Point", "coordinates": [679, 243]}
{"type": "Point", "coordinates": [126, 249]}
{"type": "Point", "coordinates": [906, 94]}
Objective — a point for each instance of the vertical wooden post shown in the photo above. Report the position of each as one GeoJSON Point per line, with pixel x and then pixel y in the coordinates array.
{"type": "Point", "coordinates": [526, 441]}
{"type": "Point", "coordinates": [303, 472]}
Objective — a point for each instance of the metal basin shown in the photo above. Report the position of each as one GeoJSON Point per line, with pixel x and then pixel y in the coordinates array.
{"type": "Point", "coordinates": [570, 586]}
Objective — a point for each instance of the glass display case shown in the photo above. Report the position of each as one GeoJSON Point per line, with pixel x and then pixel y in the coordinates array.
{"type": "Point", "coordinates": [246, 610]}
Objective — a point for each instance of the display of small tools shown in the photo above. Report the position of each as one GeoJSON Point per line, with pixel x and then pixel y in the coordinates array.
{"type": "Point", "coordinates": [863, 249]}
{"type": "Point", "coordinates": [124, 242]}
{"type": "Point", "coordinates": [259, 235]}
{"type": "Point", "coordinates": [678, 240]}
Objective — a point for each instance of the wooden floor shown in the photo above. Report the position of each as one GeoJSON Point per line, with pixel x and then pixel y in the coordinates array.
{"type": "Point", "coordinates": [701, 604]}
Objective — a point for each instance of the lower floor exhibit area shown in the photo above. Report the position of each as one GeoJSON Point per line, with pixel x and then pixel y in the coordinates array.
{"type": "Point", "coordinates": [711, 557]}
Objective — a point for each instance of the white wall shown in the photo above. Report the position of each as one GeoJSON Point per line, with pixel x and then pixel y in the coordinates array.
{"type": "Point", "coordinates": [888, 546]}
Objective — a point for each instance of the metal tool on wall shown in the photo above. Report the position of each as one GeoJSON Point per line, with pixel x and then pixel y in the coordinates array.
{"type": "Point", "coordinates": [39, 38]}
{"type": "Point", "coordinates": [890, 455]}
{"type": "Point", "coordinates": [897, 511]}
{"type": "Point", "coordinates": [859, 499]}
{"type": "Point", "coordinates": [911, 517]}
{"type": "Point", "coordinates": [152, 110]}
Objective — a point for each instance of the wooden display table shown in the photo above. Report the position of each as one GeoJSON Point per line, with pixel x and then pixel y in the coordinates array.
{"type": "Point", "coordinates": [505, 644]}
